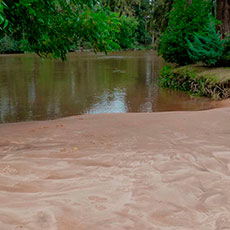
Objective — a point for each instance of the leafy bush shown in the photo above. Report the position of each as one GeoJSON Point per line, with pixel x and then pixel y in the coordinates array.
{"type": "Point", "coordinates": [184, 20]}
{"type": "Point", "coordinates": [207, 47]}
{"type": "Point", "coordinates": [56, 26]}
{"type": "Point", "coordinates": [99, 28]}
{"type": "Point", "coordinates": [126, 37]}
{"type": "Point", "coordinates": [8, 45]}
{"type": "Point", "coordinates": [142, 33]}
{"type": "Point", "coordinates": [174, 79]}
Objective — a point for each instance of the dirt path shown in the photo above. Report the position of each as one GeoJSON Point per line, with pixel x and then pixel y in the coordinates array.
{"type": "Point", "coordinates": [158, 171]}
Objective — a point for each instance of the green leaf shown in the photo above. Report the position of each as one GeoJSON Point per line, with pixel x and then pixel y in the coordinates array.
{"type": "Point", "coordinates": [5, 24]}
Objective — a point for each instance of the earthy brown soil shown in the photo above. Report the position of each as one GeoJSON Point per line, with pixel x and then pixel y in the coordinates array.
{"type": "Point", "coordinates": [222, 104]}
{"type": "Point", "coordinates": [158, 171]}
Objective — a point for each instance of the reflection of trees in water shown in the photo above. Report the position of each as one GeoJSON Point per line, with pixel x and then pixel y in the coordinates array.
{"type": "Point", "coordinates": [38, 89]}
{"type": "Point", "coordinates": [143, 95]}
{"type": "Point", "coordinates": [16, 72]}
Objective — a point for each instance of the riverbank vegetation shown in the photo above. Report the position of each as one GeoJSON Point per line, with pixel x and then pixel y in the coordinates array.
{"type": "Point", "coordinates": [194, 35]}
{"type": "Point", "coordinates": [175, 27]}
{"type": "Point", "coordinates": [183, 31]}
{"type": "Point", "coordinates": [198, 80]}
{"type": "Point", "coordinates": [59, 26]}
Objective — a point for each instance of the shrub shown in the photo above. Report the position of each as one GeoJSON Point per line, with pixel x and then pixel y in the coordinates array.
{"type": "Point", "coordinates": [126, 37]}
{"type": "Point", "coordinates": [184, 20]}
{"type": "Point", "coordinates": [206, 47]}
{"type": "Point", "coordinates": [8, 45]}
{"type": "Point", "coordinates": [142, 34]}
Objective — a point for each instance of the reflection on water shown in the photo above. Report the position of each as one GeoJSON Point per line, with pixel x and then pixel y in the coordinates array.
{"type": "Point", "coordinates": [36, 89]}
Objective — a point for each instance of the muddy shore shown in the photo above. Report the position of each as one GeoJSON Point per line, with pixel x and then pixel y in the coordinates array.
{"type": "Point", "coordinates": [156, 171]}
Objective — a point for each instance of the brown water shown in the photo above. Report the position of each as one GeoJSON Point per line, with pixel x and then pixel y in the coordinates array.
{"type": "Point", "coordinates": [36, 89]}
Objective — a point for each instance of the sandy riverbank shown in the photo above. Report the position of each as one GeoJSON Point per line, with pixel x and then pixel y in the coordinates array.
{"type": "Point", "coordinates": [158, 171]}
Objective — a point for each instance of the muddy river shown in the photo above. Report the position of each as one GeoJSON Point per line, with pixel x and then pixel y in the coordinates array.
{"type": "Point", "coordinates": [126, 171]}
{"type": "Point", "coordinates": [36, 89]}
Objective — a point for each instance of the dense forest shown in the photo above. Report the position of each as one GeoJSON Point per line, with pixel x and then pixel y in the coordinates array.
{"type": "Point", "coordinates": [59, 26]}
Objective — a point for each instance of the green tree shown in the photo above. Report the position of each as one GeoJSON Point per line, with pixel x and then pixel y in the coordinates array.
{"type": "Point", "coordinates": [123, 7]}
{"type": "Point", "coordinates": [126, 36]}
{"type": "Point", "coordinates": [159, 17]}
{"type": "Point", "coordinates": [8, 45]}
{"type": "Point", "coordinates": [142, 14]}
{"type": "Point", "coordinates": [140, 10]}
{"type": "Point", "coordinates": [160, 14]}
{"type": "Point", "coordinates": [54, 26]}
{"type": "Point", "coordinates": [207, 47]}
{"type": "Point", "coordinates": [184, 19]}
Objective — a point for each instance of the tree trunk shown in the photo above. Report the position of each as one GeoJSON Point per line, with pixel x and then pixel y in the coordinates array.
{"type": "Point", "coordinates": [223, 14]}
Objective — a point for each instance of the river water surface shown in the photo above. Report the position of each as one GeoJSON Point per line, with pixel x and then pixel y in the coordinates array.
{"type": "Point", "coordinates": [36, 89]}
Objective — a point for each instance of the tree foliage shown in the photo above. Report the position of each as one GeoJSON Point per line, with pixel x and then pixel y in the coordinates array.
{"type": "Point", "coordinates": [123, 7]}
{"type": "Point", "coordinates": [160, 14]}
{"type": "Point", "coordinates": [8, 45]}
{"type": "Point", "coordinates": [53, 26]}
{"type": "Point", "coordinates": [126, 37]}
{"type": "Point", "coordinates": [143, 16]}
{"type": "Point", "coordinates": [184, 19]}
{"type": "Point", "coordinates": [138, 9]}
{"type": "Point", "coordinates": [207, 47]}
{"type": "Point", "coordinates": [58, 26]}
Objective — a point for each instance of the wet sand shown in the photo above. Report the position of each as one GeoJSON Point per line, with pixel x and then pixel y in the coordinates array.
{"type": "Point", "coordinates": [157, 171]}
